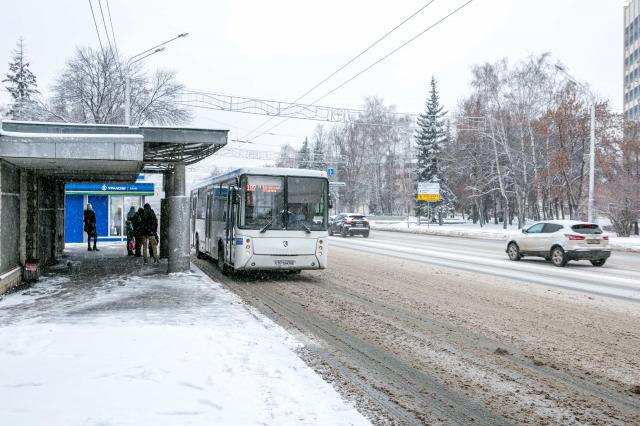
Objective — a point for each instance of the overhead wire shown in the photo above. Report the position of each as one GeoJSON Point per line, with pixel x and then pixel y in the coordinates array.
{"type": "Point", "coordinates": [374, 63]}
{"type": "Point", "coordinates": [96, 25]}
{"type": "Point", "coordinates": [104, 24]}
{"type": "Point", "coordinates": [113, 34]}
{"type": "Point", "coordinates": [343, 66]}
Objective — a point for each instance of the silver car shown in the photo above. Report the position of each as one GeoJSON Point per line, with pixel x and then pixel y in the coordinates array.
{"type": "Point", "coordinates": [560, 241]}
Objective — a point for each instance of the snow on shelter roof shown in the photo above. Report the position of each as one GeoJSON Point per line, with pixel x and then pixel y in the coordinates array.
{"type": "Point", "coordinates": [64, 146]}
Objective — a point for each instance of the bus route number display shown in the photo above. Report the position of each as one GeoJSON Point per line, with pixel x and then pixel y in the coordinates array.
{"type": "Point", "coordinates": [253, 187]}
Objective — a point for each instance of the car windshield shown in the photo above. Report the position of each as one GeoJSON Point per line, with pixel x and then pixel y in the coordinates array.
{"type": "Point", "coordinates": [587, 228]}
{"type": "Point", "coordinates": [264, 205]}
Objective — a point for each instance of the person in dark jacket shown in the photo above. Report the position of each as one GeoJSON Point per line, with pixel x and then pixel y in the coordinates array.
{"type": "Point", "coordinates": [137, 231]}
{"type": "Point", "coordinates": [149, 230]}
{"type": "Point", "coordinates": [89, 219]}
{"type": "Point", "coordinates": [129, 228]}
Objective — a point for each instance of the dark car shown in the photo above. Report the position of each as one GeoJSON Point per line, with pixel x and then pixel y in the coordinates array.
{"type": "Point", "coordinates": [349, 224]}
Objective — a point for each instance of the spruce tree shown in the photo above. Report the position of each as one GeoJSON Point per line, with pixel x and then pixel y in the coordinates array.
{"type": "Point", "coordinates": [21, 85]}
{"type": "Point", "coordinates": [304, 156]}
{"type": "Point", "coordinates": [319, 161]}
{"type": "Point", "coordinates": [432, 134]}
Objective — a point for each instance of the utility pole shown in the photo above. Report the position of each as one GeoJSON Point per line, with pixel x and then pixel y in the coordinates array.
{"type": "Point", "coordinates": [127, 80]}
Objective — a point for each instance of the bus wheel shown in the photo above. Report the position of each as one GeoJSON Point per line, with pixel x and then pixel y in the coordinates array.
{"type": "Point", "coordinates": [220, 261]}
{"type": "Point", "coordinates": [198, 253]}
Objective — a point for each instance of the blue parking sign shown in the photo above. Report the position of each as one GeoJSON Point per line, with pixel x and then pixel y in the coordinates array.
{"type": "Point", "coordinates": [331, 171]}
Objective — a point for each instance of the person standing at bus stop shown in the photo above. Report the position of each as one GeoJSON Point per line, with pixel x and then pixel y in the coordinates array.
{"type": "Point", "coordinates": [89, 219]}
{"type": "Point", "coordinates": [149, 230]}
{"type": "Point", "coordinates": [131, 243]}
{"type": "Point", "coordinates": [137, 231]}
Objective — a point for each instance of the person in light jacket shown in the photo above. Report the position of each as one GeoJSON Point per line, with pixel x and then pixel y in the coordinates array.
{"type": "Point", "coordinates": [149, 231]}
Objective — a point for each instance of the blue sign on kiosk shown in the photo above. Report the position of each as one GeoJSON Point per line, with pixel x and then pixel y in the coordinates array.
{"type": "Point", "coordinates": [110, 188]}
{"type": "Point", "coordinates": [111, 203]}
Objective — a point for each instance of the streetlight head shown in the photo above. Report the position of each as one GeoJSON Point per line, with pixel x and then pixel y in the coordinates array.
{"type": "Point", "coordinates": [183, 35]}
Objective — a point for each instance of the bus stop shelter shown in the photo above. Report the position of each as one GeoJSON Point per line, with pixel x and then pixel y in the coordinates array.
{"type": "Point", "coordinates": [37, 159]}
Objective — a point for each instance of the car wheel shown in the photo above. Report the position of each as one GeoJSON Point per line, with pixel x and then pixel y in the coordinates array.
{"type": "Point", "coordinates": [366, 235]}
{"type": "Point", "coordinates": [330, 231]}
{"type": "Point", "coordinates": [558, 258]}
{"type": "Point", "coordinates": [343, 233]}
{"type": "Point", "coordinates": [514, 252]}
{"type": "Point", "coordinates": [598, 262]}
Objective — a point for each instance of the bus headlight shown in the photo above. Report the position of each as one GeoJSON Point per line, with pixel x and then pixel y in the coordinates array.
{"type": "Point", "coordinates": [319, 248]}
{"type": "Point", "coordinates": [247, 247]}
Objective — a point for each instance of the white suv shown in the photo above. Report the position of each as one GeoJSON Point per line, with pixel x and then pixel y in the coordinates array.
{"type": "Point", "coordinates": [560, 241]}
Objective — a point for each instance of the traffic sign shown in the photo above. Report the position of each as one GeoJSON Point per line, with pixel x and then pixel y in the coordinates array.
{"type": "Point", "coordinates": [331, 171]}
{"type": "Point", "coordinates": [428, 188]}
{"type": "Point", "coordinates": [428, 197]}
{"type": "Point", "coordinates": [336, 184]}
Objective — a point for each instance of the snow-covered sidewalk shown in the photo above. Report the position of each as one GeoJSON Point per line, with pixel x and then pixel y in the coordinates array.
{"type": "Point", "coordinates": [123, 343]}
{"type": "Point", "coordinates": [489, 231]}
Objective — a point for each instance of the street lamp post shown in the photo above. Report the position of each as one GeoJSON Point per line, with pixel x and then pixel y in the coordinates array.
{"type": "Point", "coordinates": [127, 81]}
{"type": "Point", "coordinates": [592, 141]}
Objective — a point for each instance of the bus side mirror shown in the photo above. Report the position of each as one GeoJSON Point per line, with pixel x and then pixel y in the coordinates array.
{"type": "Point", "coordinates": [235, 196]}
{"type": "Point", "coordinates": [330, 202]}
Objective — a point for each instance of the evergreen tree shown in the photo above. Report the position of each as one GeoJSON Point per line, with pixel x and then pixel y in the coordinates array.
{"type": "Point", "coordinates": [430, 136]}
{"type": "Point", "coordinates": [304, 156]}
{"type": "Point", "coordinates": [21, 85]}
{"type": "Point", "coordinates": [319, 161]}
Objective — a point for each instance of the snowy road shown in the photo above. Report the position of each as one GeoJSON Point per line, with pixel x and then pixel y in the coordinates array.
{"type": "Point", "coordinates": [419, 329]}
{"type": "Point", "coordinates": [619, 278]}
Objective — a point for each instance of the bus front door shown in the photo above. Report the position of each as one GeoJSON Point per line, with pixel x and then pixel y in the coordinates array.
{"type": "Point", "coordinates": [207, 224]}
{"type": "Point", "coordinates": [229, 226]}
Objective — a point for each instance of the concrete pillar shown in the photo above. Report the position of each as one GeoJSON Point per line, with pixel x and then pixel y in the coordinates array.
{"type": "Point", "coordinates": [29, 215]}
{"type": "Point", "coordinates": [59, 221]}
{"type": "Point", "coordinates": [178, 223]}
{"type": "Point", "coordinates": [46, 234]}
{"type": "Point", "coordinates": [167, 184]}
{"type": "Point", "coordinates": [9, 217]}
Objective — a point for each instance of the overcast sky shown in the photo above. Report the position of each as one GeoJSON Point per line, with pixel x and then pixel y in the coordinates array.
{"type": "Point", "coordinates": [279, 49]}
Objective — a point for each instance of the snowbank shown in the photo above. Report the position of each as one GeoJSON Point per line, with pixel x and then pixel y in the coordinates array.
{"type": "Point", "coordinates": [487, 232]}
{"type": "Point", "coordinates": [149, 350]}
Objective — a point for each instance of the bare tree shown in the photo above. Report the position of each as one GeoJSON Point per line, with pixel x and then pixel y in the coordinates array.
{"type": "Point", "coordinates": [91, 89]}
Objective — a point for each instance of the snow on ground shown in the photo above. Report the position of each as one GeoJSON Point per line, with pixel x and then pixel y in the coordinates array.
{"type": "Point", "coordinates": [150, 348]}
{"type": "Point", "coordinates": [489, 231]}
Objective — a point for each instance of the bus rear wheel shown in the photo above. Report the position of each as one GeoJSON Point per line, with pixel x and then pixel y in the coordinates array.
{"type": "Point", "coordinates": [198, 252]}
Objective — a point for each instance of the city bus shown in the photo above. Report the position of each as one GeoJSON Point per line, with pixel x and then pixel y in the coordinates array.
{"type": "Point", "coordinates": [262, 219]}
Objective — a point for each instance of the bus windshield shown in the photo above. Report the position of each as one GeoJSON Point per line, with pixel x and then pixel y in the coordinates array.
{"type": "Point", "coordinates": [306, 203]}
{"type": "Point", "coordinates": [264, 205]}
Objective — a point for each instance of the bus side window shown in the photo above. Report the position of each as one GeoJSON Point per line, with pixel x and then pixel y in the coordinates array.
{"type": "Point", "coordinates": [225, 191]}
{"type": "Point", "coordinates": [201, 206]}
